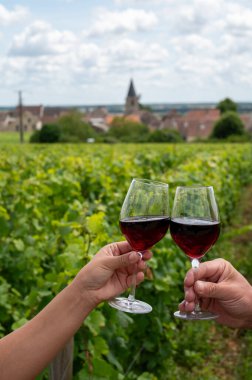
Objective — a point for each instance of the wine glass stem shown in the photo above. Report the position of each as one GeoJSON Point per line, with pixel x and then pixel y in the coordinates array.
{"type": "Point", "coordinates": [132, 294]}
{"type": "Point", "coordinates": [195, 265]}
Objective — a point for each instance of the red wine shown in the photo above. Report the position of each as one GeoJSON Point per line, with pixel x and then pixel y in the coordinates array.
{"type": "Point", "coordinates": [194, 236]}
{"type": "Point", "coordinates": [142, 232]}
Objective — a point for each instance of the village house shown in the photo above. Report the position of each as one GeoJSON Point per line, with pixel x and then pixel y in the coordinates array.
{"type": "Point", "coordinates": [7, 121]}
{"type": "Point", "coordinates": [171, 120]}
{"type": "Point", "coordinates": [31, 119]}
{"type": "Point", "coordinates": [247, 121]}
{"type": "Point", "coordinates": [97, 118]}
{"type": "Point", "coordinates": [195, 124]}
{"type": "Point", "coordinates": [198, 124]}
{"type": "Point", "coordinates": [51, 114]}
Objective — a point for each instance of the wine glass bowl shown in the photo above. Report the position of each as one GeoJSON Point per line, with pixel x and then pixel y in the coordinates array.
{"type": "Point", "coordinates": [144, 221]}
{"type": "Point", "coordinates": [195, 227]}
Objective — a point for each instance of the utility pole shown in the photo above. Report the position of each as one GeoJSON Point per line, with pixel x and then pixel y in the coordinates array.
{"type": "Point", "coordinates": [21, 130]}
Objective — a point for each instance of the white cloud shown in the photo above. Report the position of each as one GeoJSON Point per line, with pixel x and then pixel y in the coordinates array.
{"type": "Point", "coordinates": [41, 39]}
{"type": "Point", "coordinates": [41, 54]}
{"type": "Point", "coordinates": [129, 20]}
{"type": "Point", "coordinates": [238, 19]}
{"type": "Point", "coordinates": [129, 55]}
{"type": "Point", "coordinates": [186, 48]}
{"type": "Point", "coordinates": [194, 16]}
{"type": "Point", "coordinates": [7, 17]}
{"type": "Point", "coordinates": [194, 44]}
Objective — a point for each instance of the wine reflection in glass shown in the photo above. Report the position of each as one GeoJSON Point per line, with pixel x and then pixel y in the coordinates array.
{"type": "Point", "coordinates": [144, 220]}
{"type": "Point", "coordinates": [195, 227]}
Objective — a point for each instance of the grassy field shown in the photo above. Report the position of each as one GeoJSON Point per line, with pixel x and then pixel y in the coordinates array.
{"type": "Point", "coordinates": [13, 137]}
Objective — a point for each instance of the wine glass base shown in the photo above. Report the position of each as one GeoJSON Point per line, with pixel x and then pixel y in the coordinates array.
{"type": "Point", "coordinates": [134, 307]}
{"type": "Point", "coordinates": [194, 316]}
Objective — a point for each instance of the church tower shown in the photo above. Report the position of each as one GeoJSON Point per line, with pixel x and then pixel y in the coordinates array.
{"type": "Point", "coordinates": [132, 100]}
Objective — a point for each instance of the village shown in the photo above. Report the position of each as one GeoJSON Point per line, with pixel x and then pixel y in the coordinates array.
{"type": "Point", "coordinates": [196, 124]}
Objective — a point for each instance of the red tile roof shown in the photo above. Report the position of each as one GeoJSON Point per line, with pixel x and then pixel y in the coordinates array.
{"type": "Point", "coordinates": [198, 123]}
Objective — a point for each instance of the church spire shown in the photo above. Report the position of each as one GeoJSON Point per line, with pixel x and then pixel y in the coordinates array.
{"type": "Point", "coordinates": [131, 92]}
{"type": "Point", "coordinates": [132, 100]}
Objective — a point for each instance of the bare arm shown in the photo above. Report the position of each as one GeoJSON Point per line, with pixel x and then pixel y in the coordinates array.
{"type": "Point", "coordinates": [25, 352]}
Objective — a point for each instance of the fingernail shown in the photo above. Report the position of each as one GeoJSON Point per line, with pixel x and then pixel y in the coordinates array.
{"type": "Point", "coordinates": [140, 255]}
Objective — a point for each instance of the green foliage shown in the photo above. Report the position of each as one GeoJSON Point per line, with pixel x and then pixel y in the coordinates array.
{"type": "Point", "coordinates": [143, 107]}
{"type": "Point", "coordinates": [227, 105]}
{"type": "Point", "coordinates": [60, 204]}
{"type": "Point", "coordinates": [35, 137]}
{"type": "Point", "coordinates": [13, 137]}
{"type": "Point", "coordinates": [49, 133]}
{"type": "Point", "coordinates": [229, 124]}
{"type": "Point", "coordinates": [125, 130]}
{"type": "Point", "coordinates": [165, 135]}
{"type": "Point", "coordinates": [245, 137]}
{"type": "Point", "coordinates": [74, 129]}
{"type": "Point", "coordinates": [69, 128]}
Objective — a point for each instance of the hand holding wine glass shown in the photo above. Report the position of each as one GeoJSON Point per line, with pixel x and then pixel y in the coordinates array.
{"type": "Point", "coordinates": [144, 221]}
{"type": "Point", "coordinates": [195, 227]}
{"type": "Point", "coordinates": [222, 290]}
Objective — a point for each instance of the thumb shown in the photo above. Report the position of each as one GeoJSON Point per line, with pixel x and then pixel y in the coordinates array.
{"type": "Point", "coordinates": [116, 262]}
{"type": "Point", "coordinates": [211, 290]}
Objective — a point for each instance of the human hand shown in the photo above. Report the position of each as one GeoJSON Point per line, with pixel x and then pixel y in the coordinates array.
{"type": "Point", "coordinates": [222, 290]}
{"type": "Point", "coordinates": [110, 272]}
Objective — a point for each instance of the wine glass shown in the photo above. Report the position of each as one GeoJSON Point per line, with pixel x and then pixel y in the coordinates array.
{"type": "Point", "coordinates": [144, 220]}
{"type": "Point", "coordinates": [195, 227]}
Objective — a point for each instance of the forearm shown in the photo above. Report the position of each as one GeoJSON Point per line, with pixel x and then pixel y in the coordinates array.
{"type": "Point", "coordinates": [25, 352]}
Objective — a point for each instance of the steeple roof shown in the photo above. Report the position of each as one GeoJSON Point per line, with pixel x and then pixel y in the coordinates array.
{"type": "Point", "coordinates": [131, 92]}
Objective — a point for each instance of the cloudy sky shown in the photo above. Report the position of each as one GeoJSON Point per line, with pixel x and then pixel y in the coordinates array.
{"type": "Point", "coordinates": [86, 51]}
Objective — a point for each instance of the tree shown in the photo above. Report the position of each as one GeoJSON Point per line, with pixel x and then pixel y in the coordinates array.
{"type": "Point", "coordinates": [165, 135]}
{"type": "Point", "coordinates": [74, 129]}
{"type": "Point", "coordinates": [125, 130]}
{"type": "Point", "coordinates": [229, 124]}
{"type": "Point", "coordinates": [143, 107]}
{"type": "Point", "coordinates": [49, 133]}
{"type": "Point", "coordinates": [226, 105]}
{"type": "Point", "coordinates": [69, 128]}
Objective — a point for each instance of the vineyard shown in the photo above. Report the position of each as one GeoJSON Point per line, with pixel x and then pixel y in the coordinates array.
{"type": "Point", "coordinates": [60, 204]}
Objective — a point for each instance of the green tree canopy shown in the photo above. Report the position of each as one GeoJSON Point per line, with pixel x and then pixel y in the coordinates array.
{"type": "Point", "coordinates": [69, 128]}
{"type": "Point", "coordinates": [126, 130]}
{"type": "Point", "coordinates": [73, 128]}
{"type": "Point", "coordinates": [49, 133]}
{"type": "Point", "coordinates": [165, 135]}
{"type": "Point", "coordinates": [227, 105]}
{"type": "Point", "coordinates": [229, 124]}
{"type": "Point", "coordinates": [143, 107]}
